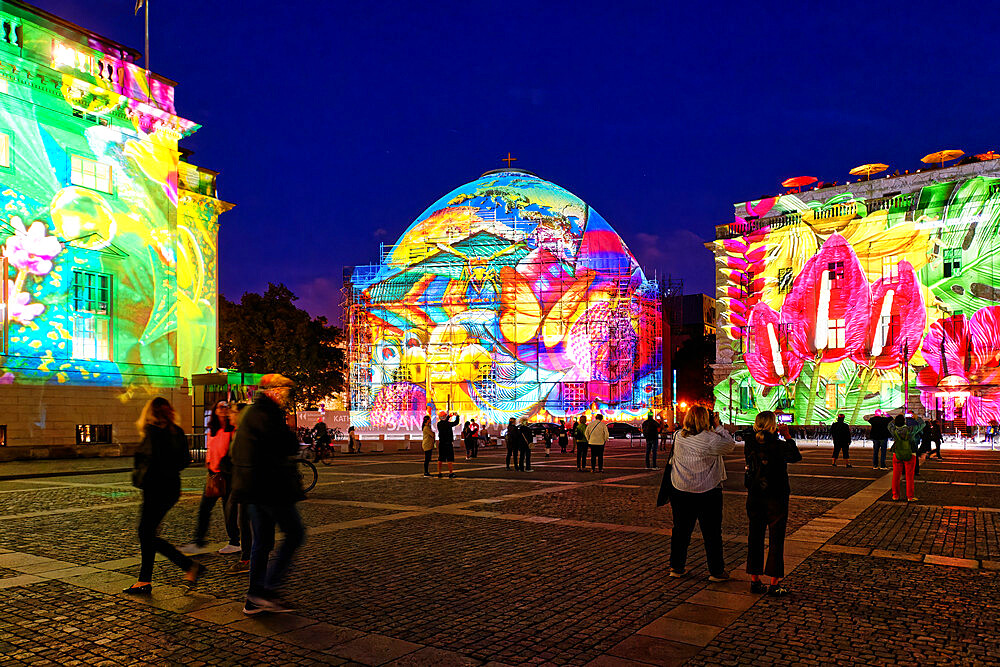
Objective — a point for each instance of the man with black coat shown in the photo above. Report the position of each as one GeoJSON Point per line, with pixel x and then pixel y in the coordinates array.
{"type": "Point", "coordinates": [841, 434]}
{"type": "Point", "coordinates": [266, 479]}
{"type": "Point", "coordinates": [880, 438]}
{"type": "Point", "coordinates": [651, 432]}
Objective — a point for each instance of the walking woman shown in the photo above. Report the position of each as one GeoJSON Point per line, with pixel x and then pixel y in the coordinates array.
{"type": "Point", "coordinates": [767, 458]}
{"type": "Point", "coordinates": [217, 441]}
{"type": "Point", "coordinates": [157, 471]}
{"type": "Point", "coordinates": [427, 444]}
{"type": "Point", "coordinates": [697, 476]}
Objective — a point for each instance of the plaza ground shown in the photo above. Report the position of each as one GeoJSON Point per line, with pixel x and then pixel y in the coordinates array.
{"type": "Point", "coordinates": [496, 567]}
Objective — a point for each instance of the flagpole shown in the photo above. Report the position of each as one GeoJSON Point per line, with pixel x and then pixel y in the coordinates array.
{"type": "Point", "coordinates": [146, 3]}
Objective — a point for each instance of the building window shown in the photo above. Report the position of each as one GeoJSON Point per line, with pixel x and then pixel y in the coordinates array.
{"type": "Point", "coordinates": [4, 149]}
{"type": "Point", "coordinates": [889, 329]}
{"type": "Point", "coordinates": [93, 434]}
{"type": "Point", "coordinates": [784, 336]}
{"type": "Point", "coordinates": [952, 262]}
{"type": "Point", "coordinates": [748, 337]}
{"type": "Point", "coordinates": [90, 174]}
{"type": "Point", "coordinates": [746, 398]}
{"type": "Point", "coordinates": [890, 268]}
{"type": "Point", "coordinates": [833, 395]}
{"type": "Point", "coordinates": [575, 396]}
{"type": "Point", "coordinates": [836, 273]}
{"type": "Point", "coordinates": [748, 283]}
{"type": "Point", "coordinates": [836, 334]}
{"type": "Point", "coordinates": [91, 302]}
{"type": "Point", "coordinates": [785, 279]}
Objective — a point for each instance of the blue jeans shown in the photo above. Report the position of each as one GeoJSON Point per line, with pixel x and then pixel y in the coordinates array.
{"type": "Point", "coordinates": [876, 446]}
{"type": "Point", "coordinates": [265, 577]}
{"type": "Point", "coordinates": [651, 448]}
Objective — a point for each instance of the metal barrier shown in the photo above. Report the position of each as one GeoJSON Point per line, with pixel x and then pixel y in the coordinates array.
{"type": "Point", "coordinates": [197, 447]}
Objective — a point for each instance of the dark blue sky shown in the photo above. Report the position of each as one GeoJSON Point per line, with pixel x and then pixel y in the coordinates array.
{"type": "Point", "coordinates": [334, 124]}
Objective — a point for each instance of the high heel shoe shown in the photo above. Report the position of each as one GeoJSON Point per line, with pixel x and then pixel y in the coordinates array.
{"type": "Point", "coordinates": [144, 589]}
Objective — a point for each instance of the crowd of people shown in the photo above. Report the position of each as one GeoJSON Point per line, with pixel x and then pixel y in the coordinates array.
{"type": "Point", "coordinates": [251, 469]}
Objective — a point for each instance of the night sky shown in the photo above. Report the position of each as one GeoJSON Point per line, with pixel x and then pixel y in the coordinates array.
{"type": "Point", "coordinates": [334, 124]}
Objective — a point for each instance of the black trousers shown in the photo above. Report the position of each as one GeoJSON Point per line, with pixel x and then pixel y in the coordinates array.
{"type": "Point", "coordinates": [767, 513]}
{"type": "Point", "coordinates": [427, 461]}
{"type": "Point", "coordinates": [523, 460]}
{"type": "Point", "coordinates": [839, 447]}
{"type": "Point", "coordinates": [581, 454]}
{"type": "Point", "coordinates": [230, 513]}
{"type": "Point", "coordinates": [596, 457]}
{"type": "Point", "coordinates": [706, 509]}
{"type": "Point", "coordinates": [512, 453]}
{"type": "Point", "coordinates": [935, 445]}
{"type": "Point", "coordinates": [155, 505]}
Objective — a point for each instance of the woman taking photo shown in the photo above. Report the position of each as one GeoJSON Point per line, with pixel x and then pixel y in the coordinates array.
{"type": "Point", "coordinates": [767, 458]}
{"type": "Point", "coordinates": [697, 476]}
{"type": "Point", "coordinates": [157, 471]}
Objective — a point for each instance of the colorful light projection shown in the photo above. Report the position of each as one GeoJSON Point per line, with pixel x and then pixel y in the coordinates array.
{"type": "Point", "coordinates": [840, 305]}
{"type": "Point", "coordinates": [90, 189]}
{"type": "Point", "coordinates": [509, 296]}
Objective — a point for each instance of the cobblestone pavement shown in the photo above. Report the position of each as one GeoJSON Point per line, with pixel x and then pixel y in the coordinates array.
{"type": "Point", "coordinates": [549, 567]}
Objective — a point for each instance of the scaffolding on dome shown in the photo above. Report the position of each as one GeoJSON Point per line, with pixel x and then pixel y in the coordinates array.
{"type": "Point", "coordinates": [498, 311]}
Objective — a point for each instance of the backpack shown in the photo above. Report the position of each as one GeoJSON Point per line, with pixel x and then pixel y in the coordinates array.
{"type": "Point", "coordinates": [754, 478]}
{"type": "Point", "coordinates": [903, 445]}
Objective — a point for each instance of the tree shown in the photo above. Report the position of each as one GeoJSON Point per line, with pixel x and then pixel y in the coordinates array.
{"type": "Point", "coordinates": [268, 334]}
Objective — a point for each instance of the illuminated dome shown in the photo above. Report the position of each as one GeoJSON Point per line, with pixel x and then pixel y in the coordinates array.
{"type": "Point", "coordinates": [508, 296]}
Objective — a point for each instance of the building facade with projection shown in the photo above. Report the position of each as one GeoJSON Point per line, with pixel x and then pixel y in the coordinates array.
{"type": "Point", "coordinates": [874, 295]}
{"type": "Point", "coordinates": [108, 239]}
{"type": "Point", "coordinates": [507, 297]}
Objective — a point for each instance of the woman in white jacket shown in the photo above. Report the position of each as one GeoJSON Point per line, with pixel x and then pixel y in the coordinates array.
{"type": "Point", "coordinates": [697, 476]}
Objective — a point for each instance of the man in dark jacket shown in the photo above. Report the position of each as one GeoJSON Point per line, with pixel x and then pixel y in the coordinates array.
{"type": "Point", "coordinates": [446, 441]}
{"type": "Point", "coordinates": [266, 479]}
{"type": "Point", "coordinates": [651, 432]}
{"type": "Point", "coordinates": [841, 434]}
{"type": "Point", "coordinates": [880, 438]}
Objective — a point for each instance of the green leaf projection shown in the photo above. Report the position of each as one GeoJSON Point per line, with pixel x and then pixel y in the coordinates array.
{"type": "Point", "coordinates": [110, 267]}
{"type": "Point", "coordinates": [850, 303]}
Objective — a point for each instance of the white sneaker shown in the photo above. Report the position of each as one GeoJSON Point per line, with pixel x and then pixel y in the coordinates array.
{"type": "Point", "coordinates": [230, 549]}
{"type": "Point", "coordinates": [190, 548]}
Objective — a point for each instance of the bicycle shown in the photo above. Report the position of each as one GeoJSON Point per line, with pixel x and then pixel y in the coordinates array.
{"type": "Point", "coordinates": [307, 474]}
{"type": "Point", "coordinates": [306, 470]}
{"type": "Point", "coordinates": [320, 452]}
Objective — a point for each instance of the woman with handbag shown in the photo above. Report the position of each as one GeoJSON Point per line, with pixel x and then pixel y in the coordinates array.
{"type": "Point", "coordinates": [697, 473]}
{"type": "Point", "coordinates": [217, 484]}
{"type": "Point", "coordinates": [427, 443]}
{"type": "Point", "coordinates": [159, 460]}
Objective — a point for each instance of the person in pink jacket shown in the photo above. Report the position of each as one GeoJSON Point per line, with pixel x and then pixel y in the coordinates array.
{"type": "Point", "coordinates": [217, 440]}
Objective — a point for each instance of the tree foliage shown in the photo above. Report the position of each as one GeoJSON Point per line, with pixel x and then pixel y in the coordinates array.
{"type": "Point", "coordinates": [267, 333]}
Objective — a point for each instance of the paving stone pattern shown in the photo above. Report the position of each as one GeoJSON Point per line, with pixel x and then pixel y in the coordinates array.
{"type": "Point", "coordinates": [424, 491]}
{"type": "Point", "coordinates": [924, 529]}
{"type": "Point", "coordinates": [896, 612]}
{"type": "Point", "coordinates": [56, 623]}
{"type": "Point", "coordinates": [551, 567]}
{"type": "Point", "coordinates": [62, 498]}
